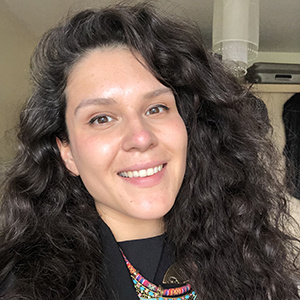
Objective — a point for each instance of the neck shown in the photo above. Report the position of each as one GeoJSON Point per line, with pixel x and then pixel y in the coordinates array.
{"type": "Point", "coordinates": [133, 229]}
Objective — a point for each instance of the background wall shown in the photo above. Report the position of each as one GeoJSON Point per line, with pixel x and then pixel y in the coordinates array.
{"type": "Point", "coordinates": [16, 46]}
{"type": "Point", "coordinates": [279, 57]}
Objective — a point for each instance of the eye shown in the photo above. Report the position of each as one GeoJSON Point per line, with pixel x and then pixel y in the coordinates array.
{"type": "Point", "coordinates": [102, 119]}
{"type": "Point", "coordinates": [157, 109]}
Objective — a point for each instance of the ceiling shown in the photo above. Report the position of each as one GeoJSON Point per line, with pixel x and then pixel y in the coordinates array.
{"type": "Point", "coordinates": [279, 19]}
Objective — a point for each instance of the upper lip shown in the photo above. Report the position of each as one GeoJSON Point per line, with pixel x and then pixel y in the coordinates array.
{"type": "Point", "coordinates": [139, 167]}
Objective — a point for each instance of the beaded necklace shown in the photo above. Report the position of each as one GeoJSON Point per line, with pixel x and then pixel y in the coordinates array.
{"type": "Point", "coordinates": [149, 291]}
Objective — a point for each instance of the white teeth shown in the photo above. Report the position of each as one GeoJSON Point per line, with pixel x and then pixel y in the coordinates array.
{"type": "Point", "coordinates": [142, 173]}
{"type": "Point", "coordinates": [150, 172]}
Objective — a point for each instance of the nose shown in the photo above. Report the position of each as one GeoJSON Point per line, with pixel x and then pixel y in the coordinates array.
{"type": "Point", "coordinates": [138, 135]}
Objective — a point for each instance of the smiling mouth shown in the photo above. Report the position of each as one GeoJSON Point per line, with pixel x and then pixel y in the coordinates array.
{"type": "Point", "coordinates": [142, 173]}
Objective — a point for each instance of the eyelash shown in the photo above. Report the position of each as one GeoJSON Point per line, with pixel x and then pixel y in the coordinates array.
{"type": "Point", "coordinates": [109, 119]}
{"type": "Point", "coordinates": [94, 119]}
{"type": "Point", "coordinates": [165, 108]}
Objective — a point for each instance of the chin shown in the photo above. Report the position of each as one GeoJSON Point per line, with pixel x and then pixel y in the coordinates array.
{"type": "Point", "coordinates": [154, 212]}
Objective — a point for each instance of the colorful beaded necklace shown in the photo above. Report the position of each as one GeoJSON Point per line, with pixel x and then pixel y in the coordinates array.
{"type": "Point", "coordinates": [149, 291]}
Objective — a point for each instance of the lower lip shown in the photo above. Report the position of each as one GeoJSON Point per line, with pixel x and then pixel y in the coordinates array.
{"type": "Point", "coordinates": [148, 181]}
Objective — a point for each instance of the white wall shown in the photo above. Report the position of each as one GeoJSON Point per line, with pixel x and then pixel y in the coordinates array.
{"type": "Point", "coordinates": [279, 57]}
{"type": "Point", "coordinates": [16, 46]}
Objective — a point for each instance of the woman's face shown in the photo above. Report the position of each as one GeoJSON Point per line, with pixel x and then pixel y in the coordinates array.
{"type": "Point", "coordinates": [127, 140]}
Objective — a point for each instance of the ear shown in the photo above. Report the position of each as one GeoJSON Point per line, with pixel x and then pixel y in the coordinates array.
{"type": "Point", "coordinates": [67, 156]}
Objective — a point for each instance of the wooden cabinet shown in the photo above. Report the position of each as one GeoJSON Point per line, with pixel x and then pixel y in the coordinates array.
{"type": "Point", "coordinates": [274, 96]}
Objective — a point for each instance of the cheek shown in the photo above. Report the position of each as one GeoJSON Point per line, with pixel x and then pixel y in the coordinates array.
{"type": "Point", "coordinates": [178, 136]}
{"type": "Point", "coordinates": [179, 141]}
{"type": "Point", "coordinates": [94, 151]}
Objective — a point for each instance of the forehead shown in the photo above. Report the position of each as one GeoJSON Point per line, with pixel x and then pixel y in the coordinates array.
{"type": "Point", "coordinates": [112, 73]}
{"type": "Point", "coordinates": [104, 56]}
{"type": "Point", "coordinates": [110, 65]}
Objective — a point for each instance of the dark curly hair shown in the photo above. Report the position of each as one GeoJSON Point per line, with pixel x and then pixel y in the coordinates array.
{"type": "Point", "coordinates": [228, 222]}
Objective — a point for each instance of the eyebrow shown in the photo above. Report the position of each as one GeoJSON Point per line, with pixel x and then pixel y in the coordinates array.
{"type": "Point", "coordinates": [94, 101]}
{"type": "Point", "coordinates": [109, 101]}
{"type": "Point", "coordinates": [158, 92]}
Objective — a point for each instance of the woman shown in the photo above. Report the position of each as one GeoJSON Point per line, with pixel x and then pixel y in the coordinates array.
{"type": "Point", "coordinates": [140, 156]}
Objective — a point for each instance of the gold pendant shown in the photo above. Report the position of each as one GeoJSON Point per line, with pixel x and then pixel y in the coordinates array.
{"type": "Point", "coordinates": [174, 275]}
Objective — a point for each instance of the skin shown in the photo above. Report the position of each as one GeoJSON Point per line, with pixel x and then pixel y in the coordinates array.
{"type": "Point", "coordinates": [120, 118]}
